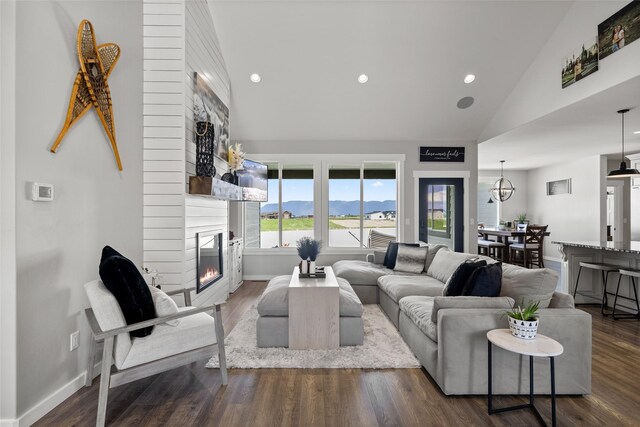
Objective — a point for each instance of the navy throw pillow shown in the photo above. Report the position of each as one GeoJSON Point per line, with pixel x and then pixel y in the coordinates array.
{"type": "Point", "coordinates": [392, 253]}
{"type": "Point", "coordinates": [460, 277]}
{"type": "Point", "coordinates": [485, 281]}
{"type": "Point", "coordinates": [127, 285]}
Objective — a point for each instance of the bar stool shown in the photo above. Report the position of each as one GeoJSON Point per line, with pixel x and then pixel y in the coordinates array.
{"type": "Point", "coordinates": [605, 269]}
{"type": "Point", "coordinates": [492, 247]}
{"type": "Point", "coordinates": [632, 274]}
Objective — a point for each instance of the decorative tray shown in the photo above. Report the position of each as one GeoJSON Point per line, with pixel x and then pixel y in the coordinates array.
{"type": "Point", "coordinates": [319, 274]}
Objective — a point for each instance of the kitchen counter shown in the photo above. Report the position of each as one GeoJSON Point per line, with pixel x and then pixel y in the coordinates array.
{"type": "Point", "coordinates": [624, 254]}
{"type": "Point", "coordinates": [629, 247]}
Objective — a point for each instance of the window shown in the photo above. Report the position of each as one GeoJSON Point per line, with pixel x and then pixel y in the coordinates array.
{"type": "Point", "coordinates": [358, 208]}
{"type": "Point", "coordinates": [288, 213]}
{"type": "Point", "coordinates": [362, 199]}
{"type": "Point", "coordinates": [439, 210]}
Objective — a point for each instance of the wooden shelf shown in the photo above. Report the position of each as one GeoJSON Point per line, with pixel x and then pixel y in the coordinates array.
{"type": "Point", "coordinates": [214, 188]}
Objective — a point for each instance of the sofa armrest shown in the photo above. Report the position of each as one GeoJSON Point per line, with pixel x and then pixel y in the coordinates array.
{"type": "Point", "coordinates": [562, 300]}
{"type": "Point", "coordinates": [462, 345]}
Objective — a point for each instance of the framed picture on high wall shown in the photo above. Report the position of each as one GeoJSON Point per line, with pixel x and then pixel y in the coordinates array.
{"type": "Point", "coordinates": [619, 30]}
{"type": "Point", "coordinates": [209, 109]}
{"type": "Point", "coordinates": [580, 63]}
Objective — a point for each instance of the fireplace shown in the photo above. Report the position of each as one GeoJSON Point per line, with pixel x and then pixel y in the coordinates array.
{"type": "Point", "coordinates": [208, 259]}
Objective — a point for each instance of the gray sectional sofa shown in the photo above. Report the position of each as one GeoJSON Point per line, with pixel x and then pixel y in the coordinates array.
{"type": "Point", "coordinates": [448, 334]}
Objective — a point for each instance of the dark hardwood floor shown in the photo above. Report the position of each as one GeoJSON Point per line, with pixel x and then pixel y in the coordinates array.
{"type": "Point", "coordinates": [193, 395]}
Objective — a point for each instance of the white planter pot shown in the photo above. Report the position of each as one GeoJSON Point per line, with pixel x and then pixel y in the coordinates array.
{"type": "Point", "coordinates": [524, 329]}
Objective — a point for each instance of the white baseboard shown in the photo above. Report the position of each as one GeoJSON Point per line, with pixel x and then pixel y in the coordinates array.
{"type": "Point", "coordinates": [8, 423]}
{"type": "Point", "coordinates": [49, 403]}
{"type": "Point", "coordinates": [258, 277]}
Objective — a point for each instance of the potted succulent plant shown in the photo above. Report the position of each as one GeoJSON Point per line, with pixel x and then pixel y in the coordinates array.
{"type": "Point", "coordinates": [522, 218]}
{"type": "Point", "coordinates": [308, 250]}
{"type": "Point", "coordinates": [523, 322]}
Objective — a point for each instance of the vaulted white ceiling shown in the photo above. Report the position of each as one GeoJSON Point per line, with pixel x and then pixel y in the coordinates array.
{"type": "Point", "coordinates": [416, 54]}
{"type": "Point", "coordinates": [586, 128]}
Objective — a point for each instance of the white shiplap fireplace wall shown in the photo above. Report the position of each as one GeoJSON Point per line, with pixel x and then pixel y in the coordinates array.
{"type": "Point", "coordinates": [179, 40]}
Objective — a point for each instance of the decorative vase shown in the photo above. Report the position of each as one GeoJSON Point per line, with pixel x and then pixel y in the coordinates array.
{"type": "Point", "coordinates": [524, 329]}
{"type": "Point", "coordinates": [235, 177]}
{"type": "Point", "coordinates": [304, 267]}
{"type": "Point", "coordinates": [312, 267]}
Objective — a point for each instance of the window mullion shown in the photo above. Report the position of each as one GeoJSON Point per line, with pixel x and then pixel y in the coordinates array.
{"type": "Point", "coordinates": [362, 205]}
{"type": "Point", "coordinates": [280, 205]}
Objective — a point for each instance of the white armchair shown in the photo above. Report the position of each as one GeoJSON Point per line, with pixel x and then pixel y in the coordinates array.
{"type": "Point", "coordinates": [168, 347]}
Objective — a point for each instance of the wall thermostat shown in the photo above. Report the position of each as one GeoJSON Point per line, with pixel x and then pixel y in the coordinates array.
{"type": "Point", "coordinates": [41, 192]}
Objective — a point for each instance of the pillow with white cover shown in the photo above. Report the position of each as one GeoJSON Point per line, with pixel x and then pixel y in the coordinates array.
{"type": "Point", "coordinates": [433, 250]}
{"type": "Point", "coordinates": [445, 263]}
{"type": "Point", "coordinates": [164, 304]}
{"type": "Point", "coordinates": [410, 259]}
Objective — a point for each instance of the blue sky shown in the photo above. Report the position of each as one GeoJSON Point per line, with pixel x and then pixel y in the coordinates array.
{"type": "Point", "coordinates": [343, 189]}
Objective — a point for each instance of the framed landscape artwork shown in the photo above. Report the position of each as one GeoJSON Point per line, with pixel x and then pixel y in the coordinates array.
{"type": "Point", "coordinates": [580, 63]}
{"type": "Point", "coordinates": [207, 107]}
{"type": "Point", "coordinates": [620, 29]}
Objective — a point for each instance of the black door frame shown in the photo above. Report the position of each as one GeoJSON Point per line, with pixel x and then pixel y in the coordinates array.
{"type": "Point", "coordinates": [458, 183]}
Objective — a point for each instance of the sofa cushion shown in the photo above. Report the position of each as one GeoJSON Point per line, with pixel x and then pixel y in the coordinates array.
{"type": "Point", "coordinates": [392, 253]}
{"type": "Point", "coordinates": [527, 285]}
{"type": "Point", "coordinates": [433, 250]}
{"type": "Point", "coordinates": [193, 332]}
{"type": "Point", "coordinates": [398, 287]}
{"type": "Point", "coordinates": [418, 310]}
{"type": "Point", "coordinates": [122, 278]}
{"type": "Point", "coordinates": [445, 263]}
{"type": "Point", "coordinates": [458, 280]}
{"type": "Point", "coordinates": [440, 303]}
{"type": "Point", "coordinates": [275, 299]}
{"type": "Point", "coordinates": [410, 259]}
{"type": "Point", "coordinates": [484, 281]}
{"type": "Point", "coordinates": [361, 272]}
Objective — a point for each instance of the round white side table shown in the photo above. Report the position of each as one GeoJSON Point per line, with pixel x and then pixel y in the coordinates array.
{"type": "Point", "coordinates": [540, 346]}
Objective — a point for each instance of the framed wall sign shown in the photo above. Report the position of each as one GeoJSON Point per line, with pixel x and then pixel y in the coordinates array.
{"type": "Point", "coordinates": [442, 154]}
{"type": "Point", "coordinates": [562, 186]}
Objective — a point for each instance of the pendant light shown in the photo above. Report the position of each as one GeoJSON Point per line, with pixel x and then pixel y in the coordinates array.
{"type": "Point", "coordinates": [490, 200]}
{"type": "Point", "coordinates": [623, 171]}
{"type": "Point", "coordinates": [503, 189]}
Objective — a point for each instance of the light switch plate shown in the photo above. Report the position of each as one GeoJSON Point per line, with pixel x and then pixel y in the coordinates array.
{"type": "Point", "coordinates": [41, 192]}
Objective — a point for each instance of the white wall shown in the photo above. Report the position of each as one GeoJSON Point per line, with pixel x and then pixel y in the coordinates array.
{"type": "Point", "coordinates": [575, 216]}
{"type": "Point", "coordinates": [539, 91]}
{"type": "Point", "coordinates": [59, 243]}
{"type": "Point", "coordinates": [180, 39]}
{"type": "Point", "coordinates": [518, 203]}
{"type": "Point", "coordinates": [269, 265]}
{"type": "Point", "coordinates": [8, 348]}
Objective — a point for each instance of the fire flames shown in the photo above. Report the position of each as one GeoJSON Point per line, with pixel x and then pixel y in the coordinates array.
{"type": "Point", "coordinates": [209, 274]}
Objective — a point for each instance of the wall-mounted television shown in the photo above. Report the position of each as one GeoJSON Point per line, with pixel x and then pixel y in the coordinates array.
{"type": "Point", "coordinates": [252, 178]}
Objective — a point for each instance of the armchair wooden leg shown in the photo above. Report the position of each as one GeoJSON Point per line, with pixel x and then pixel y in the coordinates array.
{"type": "Point", "coordinates": [105, 377]}
{"type": "Point", "coordinates": [91, 363]}
{"type": "Point", "coordinates": [222, 357]}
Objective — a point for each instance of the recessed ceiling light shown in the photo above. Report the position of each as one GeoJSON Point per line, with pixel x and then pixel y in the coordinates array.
{"type": "Point", "coordinates": [637, 132]}
{"type": "Point", "coordinates": [363, 78]}
{"type": "Point", "coordinates": [469, 78]}
{"type": "Point", "coordinates": [255, 78]}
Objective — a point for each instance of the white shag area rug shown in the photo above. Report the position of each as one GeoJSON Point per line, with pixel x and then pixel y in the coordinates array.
{"type": "Point", "coordinates": [383, 348]}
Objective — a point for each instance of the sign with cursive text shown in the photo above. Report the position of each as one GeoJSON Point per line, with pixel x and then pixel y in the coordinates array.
{"type": "Point", "coordinates": [442, 154]}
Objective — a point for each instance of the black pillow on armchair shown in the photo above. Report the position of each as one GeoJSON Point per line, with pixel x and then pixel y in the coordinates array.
{"type": "Point", "coordinates": [122, 278]}
{"type": "Point", "coordinates": [392, 253]}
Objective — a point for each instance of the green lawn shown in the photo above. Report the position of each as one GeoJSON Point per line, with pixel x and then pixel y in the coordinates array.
{"type": "Point", "coordinates": [438, 224]}
{"type": "Point", "coordinates": [287, 224]}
